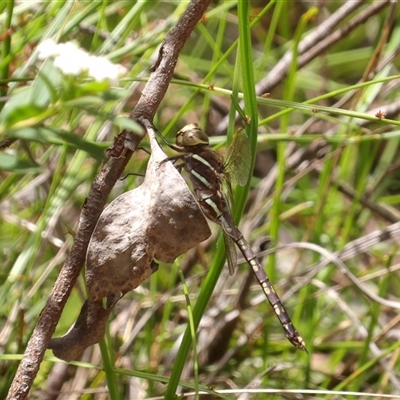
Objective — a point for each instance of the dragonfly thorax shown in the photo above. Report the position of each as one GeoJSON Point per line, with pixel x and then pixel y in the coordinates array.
{"type": "Point", "coordinates": [191, 136]}
{"type": "Point", "coordinates": [206, 169]}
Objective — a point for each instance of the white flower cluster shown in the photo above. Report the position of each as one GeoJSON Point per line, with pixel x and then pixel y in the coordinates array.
{"type": "Point", "coordinates": [72, 60]}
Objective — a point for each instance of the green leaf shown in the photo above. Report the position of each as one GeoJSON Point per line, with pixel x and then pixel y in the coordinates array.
{"type": "Point", "coordinates": [87, 102]}
{"type": "Point", "coordinates": [59, 137]}
{"type": "Point", "coordinates": [30, 101]}
{"type": "Point", "coordinates": [10, 162]}
{"type": "Point", "coordinates": [23, 113]}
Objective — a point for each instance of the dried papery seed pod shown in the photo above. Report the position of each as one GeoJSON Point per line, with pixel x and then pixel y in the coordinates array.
{"type": "Point", "coordinates": [88, 329]}
{"type": "Point", "coordinates": [158, 220]}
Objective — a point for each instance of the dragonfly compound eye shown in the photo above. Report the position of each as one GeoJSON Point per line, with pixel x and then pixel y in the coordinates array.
{"type": "Point", "coordinates": [190, 136]}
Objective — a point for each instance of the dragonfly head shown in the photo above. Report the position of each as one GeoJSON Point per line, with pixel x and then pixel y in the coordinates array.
{"type": "Point", "coordinates": [191, 136]}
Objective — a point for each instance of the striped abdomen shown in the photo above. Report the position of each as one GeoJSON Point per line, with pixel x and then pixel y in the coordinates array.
{"type": "Point", "coordinates": [207, 173]}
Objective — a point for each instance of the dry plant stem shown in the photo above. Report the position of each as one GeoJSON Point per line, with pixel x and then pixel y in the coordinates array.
{"type": "Point", "coordinates": [124, 146]}
{"type": "Point", "coordinates": [382, 212]}
{"type": "Point", "coordinates": [352, 249]}
{"type": "Point", "coordinates": [342, 32]}
{"type": "Point", "coordinates": [314, 44]}
{"type": "Point", "coordinates": [156, 87]}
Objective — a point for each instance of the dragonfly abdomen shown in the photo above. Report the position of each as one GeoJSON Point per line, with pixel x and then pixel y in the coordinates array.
{"type": "Point", "coordinates": [209, 177]}
{"type": "Point", "coordinates": [214, 206]}
{"type": "Point", "coordinates": [290, 331]}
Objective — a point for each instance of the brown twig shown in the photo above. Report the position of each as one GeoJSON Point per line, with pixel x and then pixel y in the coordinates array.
{"type": "Point", "coordinates": [119, 156]}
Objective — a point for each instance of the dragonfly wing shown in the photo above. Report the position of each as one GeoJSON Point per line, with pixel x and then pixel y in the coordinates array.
{"type": "Point", "coordinates": [227, 191]}
{"type": "Point", "coordinates": [239, 158]}
{"type": "Point", "coordinates": [231, 255]}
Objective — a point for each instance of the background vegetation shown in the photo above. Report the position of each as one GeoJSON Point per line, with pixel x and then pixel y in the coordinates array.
{"type": "Point", "coordinates": [325, 177]}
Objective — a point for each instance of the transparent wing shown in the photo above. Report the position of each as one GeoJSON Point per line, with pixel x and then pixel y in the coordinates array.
{"type": "Point", "coordinates": [239, 158]}
{"type": "Point", "coordinates": [227, 190]}
{"type": "Point", "coordinates": [231, 255]}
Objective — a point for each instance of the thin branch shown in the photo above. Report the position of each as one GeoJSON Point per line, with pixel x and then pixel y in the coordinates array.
{"type": "Point", "coordinates": [118, 156]}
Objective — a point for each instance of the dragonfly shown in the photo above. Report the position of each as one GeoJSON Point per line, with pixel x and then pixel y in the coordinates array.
{"type": "Point", "coordinates": [209, 175]}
